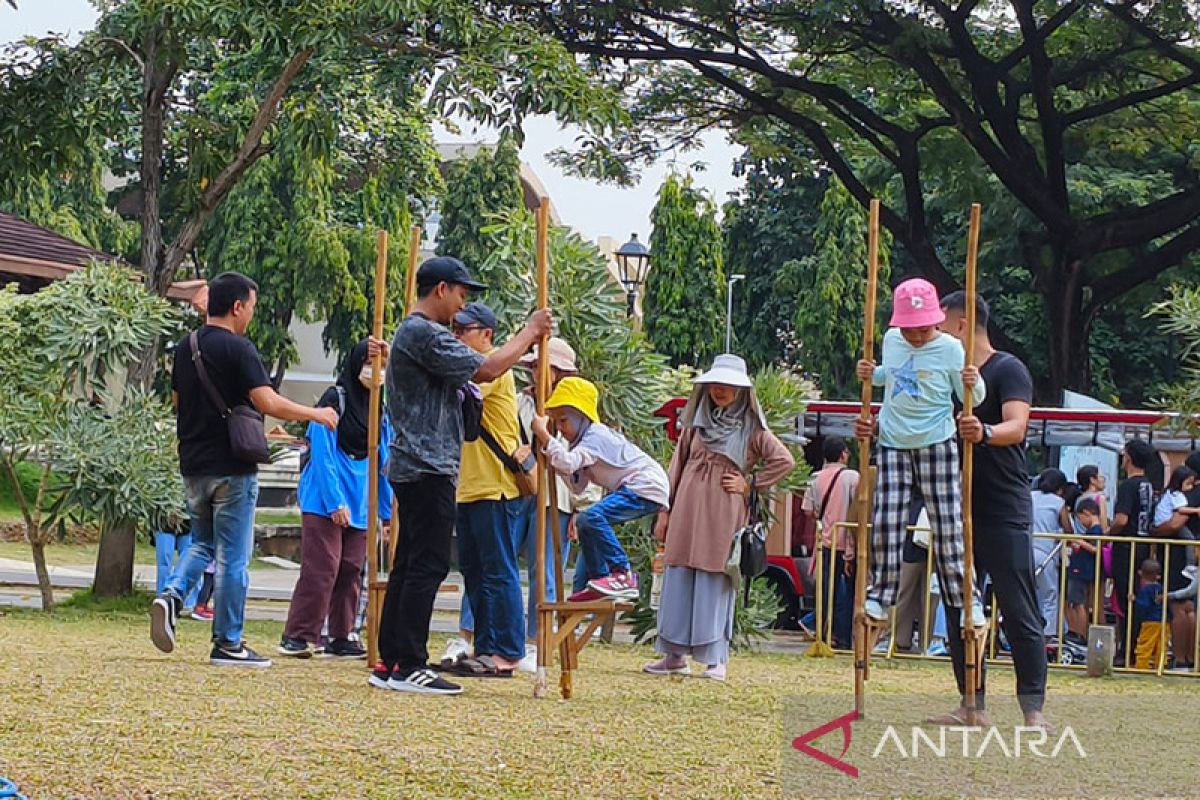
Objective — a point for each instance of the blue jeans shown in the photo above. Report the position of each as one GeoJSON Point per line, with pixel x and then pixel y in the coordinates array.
{"type": "Point", "coordinates": [222, 512]}
{"type": "Point", "coordinates": [527, 543]}
{"type": "Point", "coordinates": [488, 553]}
{"type": "Point", "coordinates": [166, 545]}
{"type": "Point", "coordinates": [603, 552]}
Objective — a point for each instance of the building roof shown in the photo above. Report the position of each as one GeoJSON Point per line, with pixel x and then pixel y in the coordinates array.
{"type": "Point", "coordinates": [32, 256]}
{"type": "Point", "coordinates": [31, 251]}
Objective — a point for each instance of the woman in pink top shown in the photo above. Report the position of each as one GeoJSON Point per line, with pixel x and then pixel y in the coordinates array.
{"type": "Point", "coordinates": [725, 441]}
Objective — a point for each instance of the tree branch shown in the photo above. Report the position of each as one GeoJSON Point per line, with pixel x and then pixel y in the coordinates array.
{"type": "Point", "coordinates": [1060, 17]}
{"type": "Point", "coordinates": [251, 150]}
{"type": "Point", "coordinates": [1108, 287]}
{"type": "Point", "coordinates": [1123, 228]}
{"type": "Point", "coordinates": [1041, 70]}
{"type": "Point", "coordinates": [1130, 100]}
{"type": "Point", "coordinates": [1122, 12]}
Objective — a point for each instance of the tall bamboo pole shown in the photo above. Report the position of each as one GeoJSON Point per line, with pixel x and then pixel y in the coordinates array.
{"type": "Point", "coordinates": [544, 478]}
{"type": "Point", "coordinates": [373, 609]}
{"type": "Point", "coordinates": [410, 301]}
{"type": "Point", "coordinates": [974, 670]}
{"type": "Point", "coordinates": [862, 646]}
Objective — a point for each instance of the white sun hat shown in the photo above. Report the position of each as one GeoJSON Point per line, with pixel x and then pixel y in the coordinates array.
{"type": "Point", "coordinates": [729, 370]}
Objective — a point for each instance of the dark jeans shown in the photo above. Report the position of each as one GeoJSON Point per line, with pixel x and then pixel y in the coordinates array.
{"type": "Point", "coordinates": [843, 597]}
{"type": "Point", "coordinates": [488, 553]}
{"type": "Point", "coordinates": [331, 559]}
{"type": "Point", "coordinates": [1005, 554]}
{"type": "Point", "coordinates": [421, 563]}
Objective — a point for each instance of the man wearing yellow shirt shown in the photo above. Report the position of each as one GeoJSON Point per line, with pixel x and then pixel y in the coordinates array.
{"type": "Point", "coordinates": [489, 505]}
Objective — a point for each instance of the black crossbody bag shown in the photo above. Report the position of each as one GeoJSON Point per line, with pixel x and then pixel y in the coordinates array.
{"type": "Point", "coordinates": [247, 439]}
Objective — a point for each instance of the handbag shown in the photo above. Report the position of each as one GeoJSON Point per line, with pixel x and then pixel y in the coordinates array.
{"type": "Point", "coordinates": [748, 551]}
{"type": "Point", "coordinates": [247, 439]}
{"type": "Point", "coordinates": [471, 402]}
{"type": "Point", "coordinates": [525, 473]}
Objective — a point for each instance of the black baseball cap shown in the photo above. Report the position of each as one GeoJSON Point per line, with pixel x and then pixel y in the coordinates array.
{"type": "Point", "coordinates": [446, 269]}
{"type": "Point", "coordinates": [477, 314]}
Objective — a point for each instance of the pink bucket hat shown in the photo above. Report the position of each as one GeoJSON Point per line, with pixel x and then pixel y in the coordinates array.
{"type": "Point", "coordinates": [915, 305]}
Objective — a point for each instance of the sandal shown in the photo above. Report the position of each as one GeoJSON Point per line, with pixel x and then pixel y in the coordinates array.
{"type": "Point", "coordinates": [480, 667]}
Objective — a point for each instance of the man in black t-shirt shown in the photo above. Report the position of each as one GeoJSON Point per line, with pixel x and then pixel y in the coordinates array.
{"type": "Point", "coordinates": [222, 490]}
{"type": "Point", "coordinates": [1133, 515]}
{"type": "Point", "coordinates": [1001, 514]}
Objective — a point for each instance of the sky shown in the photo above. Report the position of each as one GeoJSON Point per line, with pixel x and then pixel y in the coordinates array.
{"type": "Point", "coordinates": [593, 209]}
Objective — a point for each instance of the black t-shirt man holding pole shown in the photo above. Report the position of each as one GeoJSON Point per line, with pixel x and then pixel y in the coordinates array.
{"type": "Point", "coordinates": [1002, 515]}
{"type": "Point", "coordinates": [426, 369]}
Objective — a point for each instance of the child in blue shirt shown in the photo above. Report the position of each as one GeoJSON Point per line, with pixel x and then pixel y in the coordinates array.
{"type": "Point", "coordinates": [1081, 567]}
{"type": "Point", "coordinates": [922, 372]}
{"type": "Point", "coordinates": [1148, 606]}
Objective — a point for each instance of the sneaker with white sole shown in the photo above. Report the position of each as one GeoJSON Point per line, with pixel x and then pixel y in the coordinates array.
{"type": "Point", "coordinates": [875, 610]}
{"type": "Point", "coordinates": [164, 617]}
{"type": "Point", "coordinates": [621, 585]}
{"type": "Point", "coordinates": [529, 662]}
{"type": "Point", "coordinates": [294, 648]}
{"type": "Point", "coordinates": [344, 648]}
{"type": "Point", "coordinates": [380, 677]}
{"type": "Point", "coordinates": [422, 681]}
{"type": "Point", "coordinates": [715, 672]}
{"type": "Point", "coordinates": [224, 655]}
{"type": "Point", "coordinates": [978, 618]}
{"type": "Point", "coordinates": [456, 649]}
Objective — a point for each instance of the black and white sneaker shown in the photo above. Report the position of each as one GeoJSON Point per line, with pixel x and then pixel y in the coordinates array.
{"type": "Point", "coordinates": [164, 616]}
{"type": "Point", "coordinates": [294, 648]}
{"type": "Point", "coordinates": [343, 648]}
{"type": "Point", "coordinates": [422, 681]}
{"type": "Point", "coordinates": [224, 655]}
{"type": "Point", "coordinates": [380, 676]}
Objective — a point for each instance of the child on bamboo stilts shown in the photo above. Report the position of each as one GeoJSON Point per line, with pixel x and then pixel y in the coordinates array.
{"type": "Point", "coordinates": [922, 371]}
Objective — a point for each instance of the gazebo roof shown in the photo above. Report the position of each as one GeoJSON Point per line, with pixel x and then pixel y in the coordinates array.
{"type": "Point", "coordinates": [32, 256]}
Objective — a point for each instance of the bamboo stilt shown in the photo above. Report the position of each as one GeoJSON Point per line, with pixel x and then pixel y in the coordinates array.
{"type": "Point", "coordinates": [374, 608]}
{"type": "Point", "coordinates": [973, 648]}
{"type": "Point", "coordinates": [543, 381]}
{"type": "Point", "coordinates": [821, 647]}
{"type": "Point", "coordinates": [862, 634]}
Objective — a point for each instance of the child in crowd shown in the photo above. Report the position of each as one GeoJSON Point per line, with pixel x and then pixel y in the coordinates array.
{"type": "Point", "coordinates": [1174, 501]}
{"type": "Point", "coordinates": [1081, 568]}
{"type": "Point", "coordinates": [1149, 609]}
{"type": "Point", "coordinates": [922, 372]}
{"type": "Point", "coordinates": [597, 454]}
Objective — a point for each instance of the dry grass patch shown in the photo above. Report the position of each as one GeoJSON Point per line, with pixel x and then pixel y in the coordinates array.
{"type": "Point", "coordinates": [89, 709]}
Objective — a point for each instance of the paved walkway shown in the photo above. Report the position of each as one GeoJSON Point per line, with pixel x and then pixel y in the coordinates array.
{"type": "Point", "coordinates": [269, 590]}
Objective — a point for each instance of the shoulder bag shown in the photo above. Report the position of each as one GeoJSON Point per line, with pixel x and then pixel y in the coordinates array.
{"type": "Point", "coordinates": [247, 440]}
{"type": "Point", "coordinates": [525, 473]}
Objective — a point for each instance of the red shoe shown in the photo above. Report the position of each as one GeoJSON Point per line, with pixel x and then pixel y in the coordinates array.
{"type": "Point", "coordinates": [584, 595]}
{"type": "Point", "coordinates": [618, 585]}
{"type": "Point", "coordinates": [202, 613]}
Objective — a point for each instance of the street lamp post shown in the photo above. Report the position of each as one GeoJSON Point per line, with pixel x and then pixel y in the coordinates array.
{"type": "Point", "coordinates": [729, 311]}
{"type": "Point", "coordinates": [633, 261]}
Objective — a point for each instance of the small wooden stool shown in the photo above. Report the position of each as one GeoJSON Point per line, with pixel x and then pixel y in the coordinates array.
{"type": "Point", "coordinates": [559, 621]}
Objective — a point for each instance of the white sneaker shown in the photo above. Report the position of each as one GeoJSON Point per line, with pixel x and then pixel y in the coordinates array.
{"type": "Point", "coordinates": [875, 610]}
{"type": "Point", "coordinates": [978, 618]}
{"type": "Point", "coordinates": [456, 649]}
{"type": "Point", "coordinates": [529, 662]}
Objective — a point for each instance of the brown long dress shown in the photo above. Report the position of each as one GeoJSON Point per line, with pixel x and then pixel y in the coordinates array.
{"type": "Point", "coordinates": [696, 612]}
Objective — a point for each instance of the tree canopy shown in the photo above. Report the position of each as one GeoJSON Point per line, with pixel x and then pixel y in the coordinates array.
{"type": "Point", "coordinates": [1073, 123]}
{"type": "Point", "coordinates": [684, 304]}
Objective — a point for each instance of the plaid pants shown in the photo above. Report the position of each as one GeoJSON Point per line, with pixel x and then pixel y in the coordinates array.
{"type": "Point", "coordinates": [934, 470]}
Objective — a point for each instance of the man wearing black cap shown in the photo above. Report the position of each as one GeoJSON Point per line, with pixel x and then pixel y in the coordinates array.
{"type": "Point", "coordinates": [427, 368]}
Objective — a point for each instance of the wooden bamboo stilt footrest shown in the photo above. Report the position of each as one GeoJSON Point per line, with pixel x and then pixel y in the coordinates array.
{"type": "Point", "coordinates": [870, 631]}
{"type": "Point", "coordinates": [562, 635]}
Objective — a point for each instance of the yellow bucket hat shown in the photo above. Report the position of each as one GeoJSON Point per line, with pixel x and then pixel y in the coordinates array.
{"type": "Point", "coordinates": [576, 393]}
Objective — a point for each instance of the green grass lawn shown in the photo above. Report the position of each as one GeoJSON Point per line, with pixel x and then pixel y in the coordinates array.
{"type": "Point", "coordinates": [71, 555]}
{"type": "Point", "coordinates": [118, 719]}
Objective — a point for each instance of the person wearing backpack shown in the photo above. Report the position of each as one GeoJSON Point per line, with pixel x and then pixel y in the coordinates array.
{"type": "Point", "coordinates": [829, 500]}
{"type": "Point", "coordinates": [334, 501]}
{"type": "Point", "coordinates": [221, 389]}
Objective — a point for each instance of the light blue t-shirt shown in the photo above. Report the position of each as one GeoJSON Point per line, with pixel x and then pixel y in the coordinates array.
{"type": "Point", "coordinates": [920, 384]}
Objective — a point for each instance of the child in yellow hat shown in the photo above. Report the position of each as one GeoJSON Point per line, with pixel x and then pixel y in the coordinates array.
{"type": "Point", "coordinates": [638, 487]}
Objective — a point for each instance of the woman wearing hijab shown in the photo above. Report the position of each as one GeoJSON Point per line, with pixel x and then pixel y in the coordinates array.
{"type": "Point", "coordinates": [725, 449]}
{"type": "Point", "coordinates": [333, 504]}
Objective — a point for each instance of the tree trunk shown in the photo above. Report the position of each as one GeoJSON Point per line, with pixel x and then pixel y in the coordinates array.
{"type": "Point", "coordinates": [1068, 331]}
{"type": "Point", "coordinates": [114, 562]}
{"type": "Point", "coordinates": [43, 575]}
